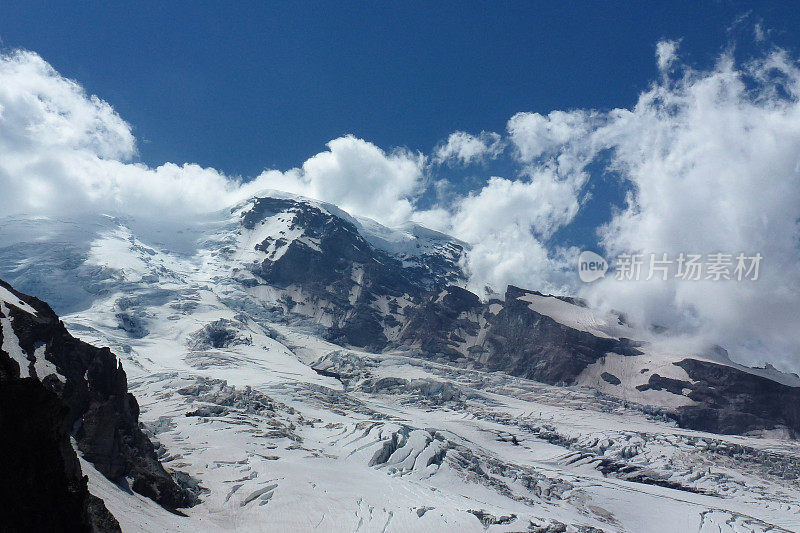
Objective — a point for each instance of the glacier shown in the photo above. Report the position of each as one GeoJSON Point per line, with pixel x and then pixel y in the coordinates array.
{"type": "Point", "coordinates": [315, 371]}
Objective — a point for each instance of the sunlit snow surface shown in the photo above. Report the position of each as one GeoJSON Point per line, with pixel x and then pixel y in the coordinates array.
{"type": "Point", "coordinates": [227, 388]}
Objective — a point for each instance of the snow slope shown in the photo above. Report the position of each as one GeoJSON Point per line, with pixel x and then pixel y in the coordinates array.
{"type": "Point", "coordinates": [286, 431]}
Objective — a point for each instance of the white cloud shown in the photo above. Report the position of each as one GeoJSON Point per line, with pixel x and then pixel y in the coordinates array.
{"type": "Point", "coordinates": [508, 223]}
{"type": "Point", "coordinates": [69, 153]}
{"type": "Point", "coordinates": [41, 109]}
{"type": "Point", "coordinates": [666, 54]}
{"type": "Point", "coordinates": [714, 161]}
{"type": "Point", "coordinates": [534, 135]}
{"type": "Point", "coordinates": [465, 149]}
{"type": "Point", "coordinates": [359, 177]}
{"type": "Point", "coordinates": [66, 152]}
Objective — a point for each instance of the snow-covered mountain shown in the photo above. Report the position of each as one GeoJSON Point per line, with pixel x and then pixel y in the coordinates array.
{"type": "Point", "coordinates": [311, 370]}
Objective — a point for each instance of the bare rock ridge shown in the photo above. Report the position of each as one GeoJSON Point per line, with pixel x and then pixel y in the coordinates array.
{"type": "Point", "coordinates": [359, 285]}
{"type": "Point", "coordinates": [374, 299]}
{"type": "Point", "coordinates": [514, 339]}
{"type": "Point", "coordinates": [54, 388]}
{"type": "Point", "coordinates": [522, 342]}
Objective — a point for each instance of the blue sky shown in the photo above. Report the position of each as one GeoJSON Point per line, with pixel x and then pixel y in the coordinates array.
{"type": "Point", "coordinates": [250, 86]}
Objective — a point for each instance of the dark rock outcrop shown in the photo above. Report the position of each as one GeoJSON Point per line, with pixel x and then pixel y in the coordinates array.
{"type": "Point", "coordinates": [519, 341]}
{"type": "Point", "coordinates": [610, 378]}
{"type": "Point", "coordinates": [531, 345]}
{"type": "Point", "coordinates": [87, 398]}
{"type": "Point", "coordinates": [515, 339]}
{"type": "Point", "coordinates": [439, 325]}
{"type": "Point", "coordinates": [42, 488]}
{"type": "Point", "coordinates": [731, 400]}
{"type": "Point", "coordinates": [339, 270]}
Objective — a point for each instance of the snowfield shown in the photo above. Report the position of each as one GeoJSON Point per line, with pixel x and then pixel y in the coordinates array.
{"type": "Point", "coordinates": [285, 431]}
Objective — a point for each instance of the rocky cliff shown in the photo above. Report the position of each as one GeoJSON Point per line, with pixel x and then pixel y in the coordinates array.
{"type": "Point", "coordinates": [54, 388]}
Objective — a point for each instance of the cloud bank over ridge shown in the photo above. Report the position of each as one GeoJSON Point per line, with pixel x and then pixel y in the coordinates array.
{"type": "Point", "coordinates": [711, 160]}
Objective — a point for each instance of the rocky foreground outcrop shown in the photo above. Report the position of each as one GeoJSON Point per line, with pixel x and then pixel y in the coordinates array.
{"type": "Point", "coordinates": [54, 389]}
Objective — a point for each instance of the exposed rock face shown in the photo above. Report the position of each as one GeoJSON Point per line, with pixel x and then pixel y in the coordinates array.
{"type": "Point", "coordinates": [42, 488]}
{"type": "Point", "coordinates": [525, 343]}
{"type": "Point", "coordinates": [509, 336]}
{"type": "Point", "coordinates": [514, 339]}
{"type": "Point", "coordinates": [69, 388]}
{"type": "Point", "coordinates": [360, 286]}
{"type": "Point", "coordinates": [733, 401]}
{"type": "Point", "coordinates": [440, 324]}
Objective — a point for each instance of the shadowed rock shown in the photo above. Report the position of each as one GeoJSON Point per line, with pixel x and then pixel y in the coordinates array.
{"type": "Point", "coordinates": [100, 413]}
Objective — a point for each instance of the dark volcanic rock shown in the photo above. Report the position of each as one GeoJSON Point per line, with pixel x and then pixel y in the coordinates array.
{"type": "Point", "coordinates": [527, 344]}
{"type": "Point", "coordinates": [341, 248]}
{"type": "Point", "coordinates": [516, 339]}
{"type": "Point", "coordinates": [98, 409]}
{"type": "Point", "coordinates": [734, 401]}
{"type": "Point", "coordinates": [522, 342]}
{"type": "Point", "coordinates": [42, 488]}
{"type": "Point", "coordinates": [658, 382]}
{"type": "Point", "coordinates": [337, 269]}
{"type": "Point", "coordinates": [433, 324]}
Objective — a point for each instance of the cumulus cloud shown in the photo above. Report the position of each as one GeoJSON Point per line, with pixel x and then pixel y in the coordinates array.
{"type": "Point", "coordinates": [666, 54]}
{"type": "Point", "coordinates": [64, 152]}
{"type": "Point", "coordinates": [509, 222]}
{"type": "Point", "coordinates": [41, 109]}
{"type": "Point", "coordinates": [464, 148]}
{"type": "Point", "coordinates": [359, 177]}
{"type": "Point", "coordinates": [714, 161]}
{"type": "Point", "coordinates": [534, 135]}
